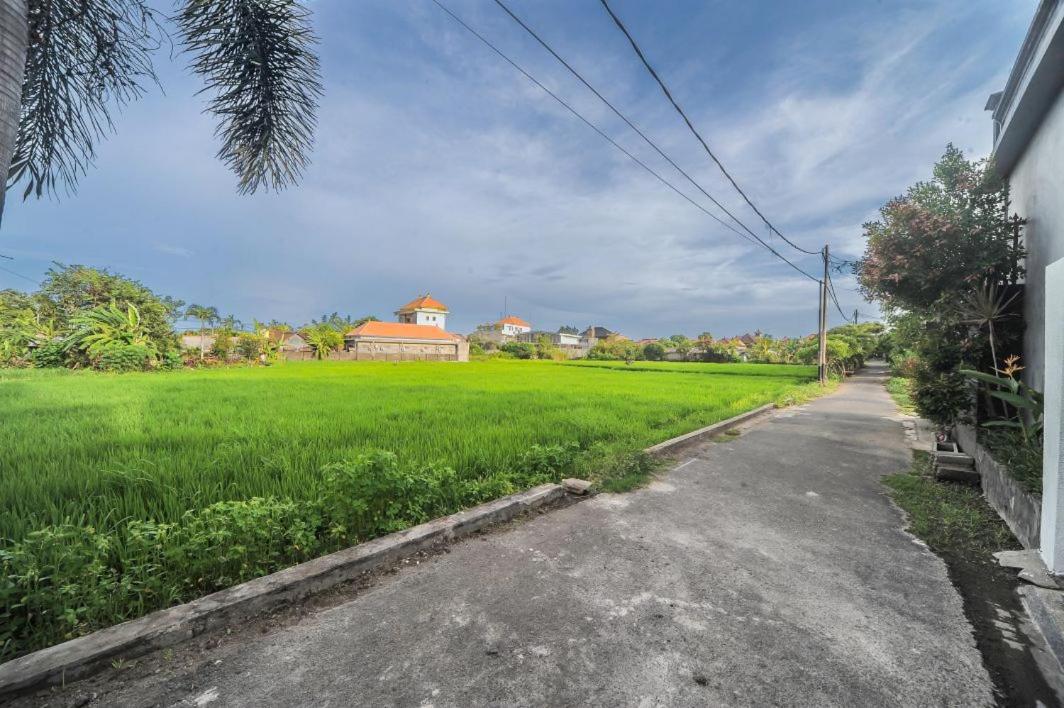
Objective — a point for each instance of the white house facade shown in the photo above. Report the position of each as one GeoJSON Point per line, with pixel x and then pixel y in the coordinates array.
{"type": "Point", "coordinates": [424, 311]}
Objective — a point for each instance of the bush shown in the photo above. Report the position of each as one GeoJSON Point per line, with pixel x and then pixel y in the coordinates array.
{"type": "Point", "coordinates": [545, 463]}
{"type": "Point", "coordinates": [653, 352]}
{"type": "Point", "coordinates": [519, 350]}
{"type": "Point", "coordinates": [171, 360]}
{"type": "Point", "coordinates": [121, 358]}
{"type": "Point", "coordinates": [222, 347]}
{"type": "Point", "coordinates": [248, 345]}
{"type": "Point", "coordinates": [49, 355]}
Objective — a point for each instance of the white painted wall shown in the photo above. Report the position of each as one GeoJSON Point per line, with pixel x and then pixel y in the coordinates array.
{"type": "Point", "coordinates": [423, 317]}
{"type": "Point", "coordinates": [1037, 184]}
{"type": "Point", "coordinates": [436, 319]}
{"type": "Point", "coordinates": [1053, 451]}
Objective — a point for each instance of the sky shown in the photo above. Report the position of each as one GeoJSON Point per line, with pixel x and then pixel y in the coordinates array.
{"type": "Point", "coordinates": [438, 168]}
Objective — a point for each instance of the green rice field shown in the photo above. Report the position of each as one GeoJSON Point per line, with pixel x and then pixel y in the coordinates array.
{"type": "Point", "coordinates": [123, 494]}
{"type": "Point", "coordinates": [97, 449]}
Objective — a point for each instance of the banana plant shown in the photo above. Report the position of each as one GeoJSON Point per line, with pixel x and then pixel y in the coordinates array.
{"type": "Point", "coordinates": [1028, 402]}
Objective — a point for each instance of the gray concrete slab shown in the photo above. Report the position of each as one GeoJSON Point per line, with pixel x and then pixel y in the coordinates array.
{"type": "Point", "coordinates": [766, 569]}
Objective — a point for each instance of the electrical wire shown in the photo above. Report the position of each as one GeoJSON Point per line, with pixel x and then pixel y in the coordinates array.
{"type": "Point", "coordinates": [694, 131]}
{"type": "Point", "coordinates": [643, 135]}
{"type": "Point", "coordinates": [757, 240]}
{"type": "Point", "coordinates": [587, 122]}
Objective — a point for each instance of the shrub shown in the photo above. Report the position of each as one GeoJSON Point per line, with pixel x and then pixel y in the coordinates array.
{"type": "Point", "coordinates": [653, 352]}
{"type": "Point", "coordinates": [233, 541]}
{"type": "Point", "coordinates": [545, 463]}
{"type": "Point", "coordinates": [222, 347]}
{"type": "Point", "coordinates": [248, 345]}
{"type": "Point", "coordinates": [49, 355]}
{"type": "Point", "coordinates": [519, 350]}
{"type": "Point", "coordinates": [122, 358]}
{"type": "Point", "coordinates": [171, 360]}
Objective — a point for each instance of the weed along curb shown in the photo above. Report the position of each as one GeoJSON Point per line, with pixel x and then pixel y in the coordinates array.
{"type": "Point", "coordinates": [681, 441]}
{"type": "Point", "coordinates": [84, 655]}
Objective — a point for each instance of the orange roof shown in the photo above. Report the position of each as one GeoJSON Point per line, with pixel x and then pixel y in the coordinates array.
{"type": "Point", "coordinates": [399, 330]}
{"type": "Point", "coordinates": [425, 302]}
{"type": "Point", "coordinates": [512, 320]}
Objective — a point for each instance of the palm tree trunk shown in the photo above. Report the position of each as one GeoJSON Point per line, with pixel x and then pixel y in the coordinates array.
{"type": "Point", "coordinates": [202, 344]}
{"type": "Point", "coordinates": [14, 39]}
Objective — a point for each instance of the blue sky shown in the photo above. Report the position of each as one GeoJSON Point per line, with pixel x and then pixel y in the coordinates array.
{"type": "Point", "coordinates": [439, 168]}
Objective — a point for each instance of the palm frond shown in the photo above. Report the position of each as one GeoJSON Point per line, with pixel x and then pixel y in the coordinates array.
{"type": "Point", "coordinates": [256, 57]}
{"type": "Point", "coordinates": [84, 59]}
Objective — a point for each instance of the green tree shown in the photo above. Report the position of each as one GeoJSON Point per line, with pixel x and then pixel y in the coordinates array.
{"type": "Point", "coordinates": [69, 290]}
{"type": "Point", "coordinates": [653, 351]}
{"type": "Point", "coordinates": [66, 65]}
{"type": "Point", "coordinates": [945, 238]}
{"type": "Point", "coordinates": [324, 339]}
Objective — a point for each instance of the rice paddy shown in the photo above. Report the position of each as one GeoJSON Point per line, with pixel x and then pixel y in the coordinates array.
{"type": "Point", "coordinates": [96, 449]}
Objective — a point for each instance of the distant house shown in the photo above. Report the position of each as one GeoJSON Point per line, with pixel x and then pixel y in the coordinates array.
{"type": "Point", "coordinates": [423, 310]}
{"type": "Point", "coordinates": [594, 333]}
{"type": "Point", "coordinates": [513, 326]}
{"type": "Point", "coordinates": [558, 339]}
{"type": "Point", "coordinates": [419, 335]}
{"type": "Point", "coordinates": [288, 340]}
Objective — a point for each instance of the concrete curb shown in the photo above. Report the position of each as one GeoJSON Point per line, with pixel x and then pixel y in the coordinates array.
{"type": "Point", "coordinates": [84, 655]}
{"type": "Point", "coordinates": [682, 441]}
{"type": "Point", "coordinates": [1046, 608]}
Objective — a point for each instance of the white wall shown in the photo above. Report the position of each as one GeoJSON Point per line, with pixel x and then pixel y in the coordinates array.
{"type": "Point", "coordinates": [1052, 532]}
{"type": "Point", "coordinates": [436, 319]}
{"type": "Point", "coordinates": [1037, 184]}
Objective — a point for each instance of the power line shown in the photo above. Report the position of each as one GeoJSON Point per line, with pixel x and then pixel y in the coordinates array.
{"type": "Point", "coordinates": [691, 127]}
{"type": "Point", "coordinates": [643, 135]}
{"type": "Point", "coordinates": [614, 143]}
{"type": "Point", "coordinates": [587, 122]}
{"type": "Point", "coordinates": [835, 299]}
{"type": "Point", "coordinates": [19, 275]}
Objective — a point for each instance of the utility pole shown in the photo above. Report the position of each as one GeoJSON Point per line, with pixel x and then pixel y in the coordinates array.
{"type": "Point", "coordinates": [855, 316]}
{"type": "Point", "coordinates": [822, 359]}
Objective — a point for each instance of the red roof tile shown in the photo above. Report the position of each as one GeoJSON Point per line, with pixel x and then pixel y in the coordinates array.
{"type": "Point", "coordinates": [425, 302]}
{"type": "Point", "coordinates": [399, 330]}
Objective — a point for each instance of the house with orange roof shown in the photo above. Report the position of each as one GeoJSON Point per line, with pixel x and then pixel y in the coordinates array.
{"type": "Point", "coordinates": [513, 326]}
{"type": "Point", "coordinates": [424, 310]}
{"type": "Point", "coordinates": [419, 335]}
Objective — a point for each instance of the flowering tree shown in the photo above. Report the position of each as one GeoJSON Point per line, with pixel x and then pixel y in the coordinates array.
{"type": "Point", "coordinates": [945, 238]}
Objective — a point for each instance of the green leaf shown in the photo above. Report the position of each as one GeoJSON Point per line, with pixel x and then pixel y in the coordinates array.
{"type": "Point", "coordinates": [985, 378]}
{"type": "Point", "coordinates": [1002, 424]}
{"type": "Point", "coordinates": [1014, 399]}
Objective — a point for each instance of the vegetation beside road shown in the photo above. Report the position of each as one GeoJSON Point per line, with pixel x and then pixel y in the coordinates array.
{"type": "Point", "coordinates": [127, 493]}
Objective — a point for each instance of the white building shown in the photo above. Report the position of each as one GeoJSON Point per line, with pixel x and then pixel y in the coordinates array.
{"type": "Point", "coordinates": [512, 326]}
{"type": "Point", "coordinates": [1029, 153]}
{"type": "Point", "coordinates": [424, 311]}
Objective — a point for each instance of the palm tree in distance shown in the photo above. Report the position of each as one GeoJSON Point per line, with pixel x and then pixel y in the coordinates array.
{"type": "Point", "coordinates": [206, 316]}
{"type": "Point", "coordinates": [65, 65]}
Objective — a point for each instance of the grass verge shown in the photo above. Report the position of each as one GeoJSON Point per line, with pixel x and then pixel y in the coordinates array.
{"type": "Point", "coordinates": [900, 390]}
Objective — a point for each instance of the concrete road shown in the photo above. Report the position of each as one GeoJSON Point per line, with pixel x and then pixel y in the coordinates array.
{"type": "Point", "coordinates": [768, 569]}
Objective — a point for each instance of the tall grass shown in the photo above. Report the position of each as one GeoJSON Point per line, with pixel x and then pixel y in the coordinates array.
{"type": "Point", "coordinates": [99, 449]}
